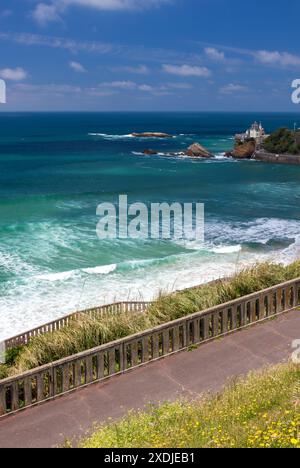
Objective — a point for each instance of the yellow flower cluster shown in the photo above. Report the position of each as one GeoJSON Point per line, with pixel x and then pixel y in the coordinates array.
{"type": "Point", "coordinates": [261, 411]}
{"type": "Point", "coordinates": [283, 433]}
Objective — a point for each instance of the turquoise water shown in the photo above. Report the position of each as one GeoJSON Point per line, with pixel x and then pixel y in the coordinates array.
{"type": "Point", "coordinates": [56, 168]}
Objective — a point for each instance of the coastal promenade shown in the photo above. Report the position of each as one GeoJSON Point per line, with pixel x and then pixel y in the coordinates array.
{"type": "Point", "coordinates": [264, 156]}
{"type": "Point", "coordinates": [186, 374]}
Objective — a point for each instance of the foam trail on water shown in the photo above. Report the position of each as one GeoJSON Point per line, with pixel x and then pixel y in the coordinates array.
{"type": "Point", "coordinates": [100, 270]}
{"type": "Point", "coordinates": [66, 275]}
{"type": "Point", "coordinates": [227, 249]}
{"type": "Point", "coordinates": [110, 137]}
{"type": "Point", "coordinates": [39, 301]}
{"type": "Point", "coordinates": [291, 253]}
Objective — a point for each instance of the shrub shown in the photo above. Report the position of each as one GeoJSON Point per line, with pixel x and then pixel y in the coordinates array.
{"type": "Point", "coordinates": [283, 141]}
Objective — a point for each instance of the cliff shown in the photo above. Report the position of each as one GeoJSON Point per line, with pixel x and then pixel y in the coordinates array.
{"type": "Point", "coordinates": [244, 151]}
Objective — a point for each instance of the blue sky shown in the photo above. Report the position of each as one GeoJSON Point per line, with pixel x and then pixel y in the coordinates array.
{"type": "Point", "coordinates": [101, 55]}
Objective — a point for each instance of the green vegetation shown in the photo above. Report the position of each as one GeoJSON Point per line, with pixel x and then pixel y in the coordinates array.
{"type": "Point", "coordinates": [86, 333]}
{"type": "Point", "coordinates": [242, 142]}
{"type": "Point", "coordinates": [261, 411]}
{"type": "Point", "coordinates": [283, 141]}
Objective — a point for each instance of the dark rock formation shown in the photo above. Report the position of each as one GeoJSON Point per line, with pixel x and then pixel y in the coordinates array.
{"type": "Point", "coordinates": [198, 151]}
{"type": "Point", "coordinates": [194, 151]}
{"type": "Point", "coordinates": [151, 135]}
{"type": "Point", "coordinates": [149, 152]}
{"type": "Point", "coordinates": [244, 151]}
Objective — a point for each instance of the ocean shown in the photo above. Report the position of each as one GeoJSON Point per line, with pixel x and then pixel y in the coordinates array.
{"type": "Point", "coordinates": [56, 168]}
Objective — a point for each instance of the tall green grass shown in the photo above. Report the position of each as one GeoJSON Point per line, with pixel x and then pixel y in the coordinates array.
{"type": "Point", "coordinates": [261, 411]}
{"type": "Point", "coordinates": [86, 333]}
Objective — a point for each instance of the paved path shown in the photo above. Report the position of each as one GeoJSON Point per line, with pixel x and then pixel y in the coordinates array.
{"type": "Point", "coordinates": [186, 374]}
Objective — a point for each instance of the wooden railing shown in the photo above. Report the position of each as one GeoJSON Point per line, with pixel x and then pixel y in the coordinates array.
{"type": "Point", "coordinates": [103, 362]}
{"type": "Point", "coordinates": [117, 308]}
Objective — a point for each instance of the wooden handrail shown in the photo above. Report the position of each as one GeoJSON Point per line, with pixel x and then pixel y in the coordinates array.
{"type": "Point", "coordinates": [103, 362]}
{"type": "Point", "coordinates": [118, 307]}
{"type": "Point", "coordinates": [23, 339]}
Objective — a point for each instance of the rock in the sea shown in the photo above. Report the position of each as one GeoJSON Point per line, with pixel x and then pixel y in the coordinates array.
{"type": "Point", "coordinates": [149, 152]}
{"type": "Point", "coordinates": [198, 151]}
{"type": "Point", "coordinates": [244, 151]}
{"type": "Point", "coordinates": [151, 135]}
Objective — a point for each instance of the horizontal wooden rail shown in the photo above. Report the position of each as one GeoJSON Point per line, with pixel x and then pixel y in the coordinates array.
{"type": "Point", "coordinates": [116, 308]}
{"type": "Point", "coordinates": [98, 364]}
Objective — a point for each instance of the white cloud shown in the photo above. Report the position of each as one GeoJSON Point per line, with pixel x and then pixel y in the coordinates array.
{"type": "Point", "coordinates": [6, 13]}
{"type": "Point", "coordinates": [77, 67]}
{"type": "Point", "coordinates": [101, 90]}
{"type": "Point", "coordinates": [131, 52]}
{"type": "Point", "coordinates": [146, 88]}
{"type": "Point", "coordinates": [127, 86]}
{"type": "Point", "coordinates": [114, 4]}
{"type": "Point", "coordinates": [158, 90]}
{"type": "Point", "coordinates": [120, 85]}
{"type": "Point", "coordinates": [47, 12]}
{"type": "Point", "coordinates": [60, 43]}
{"type": "Point", "coordinates": [48, 89]}
{"type": "Point", "coordinates": [44, 14]}
{"type": "Point", "coordinates": [13, 74]}
{"type": "Point", "coordinates": [264, 57]}
{"type": "Point", "coordinates": [187, 70]}
{"type": "Point", "coordinates": [59, 90]}
{"type": "Point", "coordinates": [54, 92]}
{"type": "Point", "coordinates": [233, 88]}
{"type": "Point", "coordinates": [139, 70]}
{"type": "Point", "coordinates": [214, 54]}
{"type": "Point", "coordinates": [180, 86]}
{"type": "Point", "coordinates": [283, 59]}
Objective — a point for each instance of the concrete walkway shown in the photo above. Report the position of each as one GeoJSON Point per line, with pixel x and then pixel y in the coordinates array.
{"type": "Point", "coordinates": [187, 374]}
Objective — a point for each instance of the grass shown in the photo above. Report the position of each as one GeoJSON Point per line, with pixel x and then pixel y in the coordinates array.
{"type": "Point", "coordinates": [86, 333]}
{"type": "Point", "coordinates": [261, 411]}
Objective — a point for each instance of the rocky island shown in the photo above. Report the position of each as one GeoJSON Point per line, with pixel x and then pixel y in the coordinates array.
{"type": "Point", "coordinates": [151, 135]}
{"type": "Point", "coordinates": [194, 151]}
{"type": "Point", "coordinates": [243, 151]}
{"type": "Point", "coordinates": [198, 151]}
{"type": "Point", "coordinates": [282, 146]}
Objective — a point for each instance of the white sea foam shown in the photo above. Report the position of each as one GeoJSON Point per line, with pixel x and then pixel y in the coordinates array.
{"type": "Point", "coordinates": [292, 252]}
{"type": "Point", "coordinates": [221, 156]}
{"type": "Point", "coordinates": [179, 155]}
{"type": "Point", "coordinates": [260, 230]}
{"type": "Point", "coordinates": [227, 249]}
{"type": "Point", "coordinates": [63, 276]}
{"type": "Point", "coordinates": [66, 275]}
{"type": "Point", "coordinates": [100, 270]}
{"type": "Point", "coordinates": [220, 234]}
{"type": "Point", "coordinates": [13, 263]}
{"type": "Point", "coordinates": [106, 136]}
{"type": "Point", "coordinates": [38, 301]}
{"type": "Point", "coordinates": [218, 160]}
{"type": "Point", "coordinates": [47, 295]}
